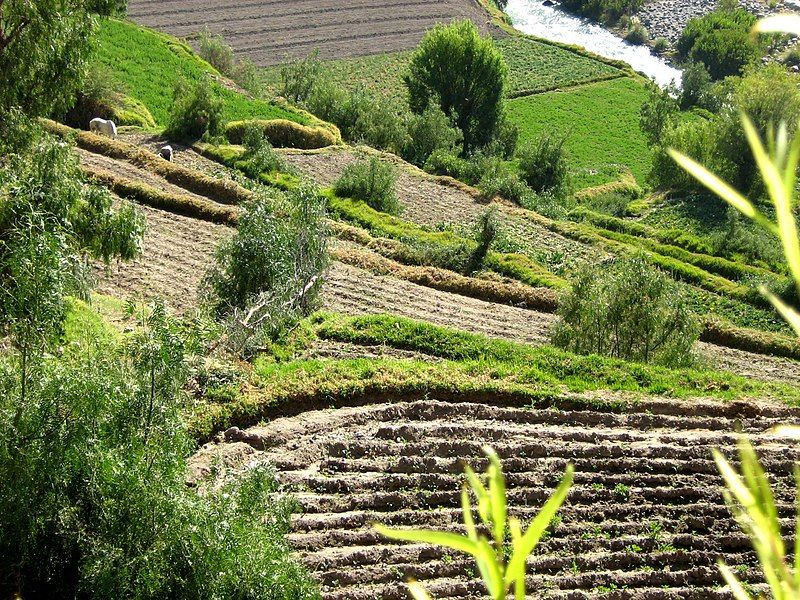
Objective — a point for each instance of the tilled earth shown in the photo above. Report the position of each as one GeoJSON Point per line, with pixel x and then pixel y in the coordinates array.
{"type": "Point", "coordinates": [644, 519]}
{"type": "Point", "coordinates": [269, 31]}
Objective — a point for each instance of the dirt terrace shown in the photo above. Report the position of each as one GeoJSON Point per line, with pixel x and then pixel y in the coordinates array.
{"type": "Point", "coordinates": [645, 518]}
{"type": "Point", "coordinates": [269, 31]}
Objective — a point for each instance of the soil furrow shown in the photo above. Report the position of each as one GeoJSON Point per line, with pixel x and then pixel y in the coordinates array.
{"type": "Point", "coordinates": [645, 517]}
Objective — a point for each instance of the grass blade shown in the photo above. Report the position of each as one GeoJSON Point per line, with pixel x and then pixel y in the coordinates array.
{"type": "Point", "coordinates": [516, 566]}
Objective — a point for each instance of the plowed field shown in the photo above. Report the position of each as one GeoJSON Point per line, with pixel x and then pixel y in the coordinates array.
{"type": "Point", "coordinates": [645, 518]}
{"type": "Point", "coordinates": [267, 31]}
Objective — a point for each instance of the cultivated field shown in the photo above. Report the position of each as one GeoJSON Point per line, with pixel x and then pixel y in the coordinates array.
{"type": "Point", "coordinates": [645, 518]}
{"type": "Point", "coordinates": [269, 31]}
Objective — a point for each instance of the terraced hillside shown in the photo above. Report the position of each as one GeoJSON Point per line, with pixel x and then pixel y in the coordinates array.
{"type": "Point", "coordinates": [267, 31]}
{"type": "Point", "coordinates": [645, 518]}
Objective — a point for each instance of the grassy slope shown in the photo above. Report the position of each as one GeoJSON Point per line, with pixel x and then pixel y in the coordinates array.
{"type": "Point", "coordinates": [148, 64]}
{"type": "Point", "coordinates": [473, 367]}
{"type": "Point", "coordinates": [602, 120]}
{"type": "Point", "coordinates": [533, 66]}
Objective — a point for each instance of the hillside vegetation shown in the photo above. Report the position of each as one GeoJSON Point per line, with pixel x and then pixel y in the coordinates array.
{"type": "Point", "coordinates": [148, 66]}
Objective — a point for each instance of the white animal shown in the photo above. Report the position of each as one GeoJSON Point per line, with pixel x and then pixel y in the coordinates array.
{"type": "Point", "coordinates": [166, 153]}
{"type": "Point", "coordinates": [103, 127]}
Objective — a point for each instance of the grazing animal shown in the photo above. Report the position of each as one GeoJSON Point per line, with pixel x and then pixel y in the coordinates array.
{"type": "Point", "coordinates": [103, 127]}
{"type": "Point", "coordinates": [166, 153]}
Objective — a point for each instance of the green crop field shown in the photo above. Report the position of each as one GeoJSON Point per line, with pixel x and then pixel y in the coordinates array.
{"type": "Point", "coordinates": [601, 120]}
{"type": "Point", "coordinates": [147, 65]}
{"type": "Point", "coordinates": [533, 66]}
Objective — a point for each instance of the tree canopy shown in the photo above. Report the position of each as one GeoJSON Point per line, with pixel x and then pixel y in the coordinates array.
{"type": "Point", "coordinates": [45, 46]}
{"type": "Point", "coordinates": [465, 74]}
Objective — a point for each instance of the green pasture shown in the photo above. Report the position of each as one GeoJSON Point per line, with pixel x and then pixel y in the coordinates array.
{"type": "Point", "coordinates": [147, 65]}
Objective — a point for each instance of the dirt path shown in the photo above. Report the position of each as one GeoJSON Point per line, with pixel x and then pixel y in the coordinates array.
{"type": "Point", "coordinates": [645, 518]}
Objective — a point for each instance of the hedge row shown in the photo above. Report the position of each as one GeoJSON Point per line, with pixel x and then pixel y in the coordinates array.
{"type": "Point", "coordinates": [516, 266]}
{"type": "Point", "coordinates": [626, 186]}
{"type": "Point", "coordinates": [284, 134]}
{"type": "Point", "coordinates": [542, 299]}
{"type": "Point", "coordinates": [181, 204]}
{"type": "Point", "coordinates": [725, 334]}
{"type": "Point", "coordinates": [679, 269]}
{"type": "Point", "coordinates": [225, 191]}
{"type": "Point", "coordinates": [638, 234]}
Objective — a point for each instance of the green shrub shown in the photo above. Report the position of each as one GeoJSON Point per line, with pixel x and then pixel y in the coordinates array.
{"type": "Point", "coordinates": [543, 165]}
{"type": "Point", "coordinates": [299, 77]}
{"type": "Point", "coordinates": [447, 162]}
{"type": "Point", "coordinates": [505, 184]}
{"type": "Point", "coordinates": [608, 11]}
{"type": "Point", "coordinates": [428, 132]}
{"type": "Point", "coordinates": [267, 276]}
{"type": "Point", "coordinates": [213, 49]}
{"type": "Point", "coordinates": [486, 229]}
{"type": "Point", "coordinates": [283, 134]}
{"type": "Point", "coordinates": [627, 310]}
{"type": "Point", "coordinates": [259, 156]}
{"type": "Point", "coordinates": [695, 85]}
{"type": "Point", "coordinates": [465, 74]}
{"type": "Point", "coordinates": [657, 114]}
{"type": "Point", "coordinates": [660, 45]}
{"type": "Point", "coordinates": [720, 40]}
{"type": "Point", "coordinates": [96, 505]}
{"type": "Point", "coordinates": [637, 33]}
{"type": "Point", "coordinates": [372, 181]}
{"type": "Point", "coordinates": [196, 111]}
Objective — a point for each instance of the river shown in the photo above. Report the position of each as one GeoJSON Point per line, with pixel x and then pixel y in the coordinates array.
{"type": "Point", "coordinates": [534, 18]}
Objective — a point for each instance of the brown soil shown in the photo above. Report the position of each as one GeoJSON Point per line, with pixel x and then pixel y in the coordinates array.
{"type": "Point", "coordinates": [644, 519]}
{"type": "Point", "coordinates": [267, 31]}
{"type": "Point", "coordinates": [350, 290]}
{"type": "Point", "coordinates": [426, 200]}
{"type": "Point", "coordinates": [177, 252]}
{"type": "Point", "coordinates": [127, 170]}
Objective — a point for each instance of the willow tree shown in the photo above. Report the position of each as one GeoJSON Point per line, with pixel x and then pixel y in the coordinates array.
{"type": "Point", "coordinates": [465, 74]}
{"type": "Point", "coordinates": [45, 46]}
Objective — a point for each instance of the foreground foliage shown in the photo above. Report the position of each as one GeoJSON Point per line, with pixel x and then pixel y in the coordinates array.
{"type": "Point", "coordinates": [749, 495]}
{"type": "Point", "coordinates": [501, 563]}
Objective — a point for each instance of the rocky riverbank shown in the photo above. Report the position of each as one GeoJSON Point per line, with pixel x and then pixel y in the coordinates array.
{"type": "Point", "coordinates": [667, 18]}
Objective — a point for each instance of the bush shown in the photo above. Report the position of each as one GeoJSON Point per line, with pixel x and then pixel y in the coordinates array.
{"type": "Point", "coordinates": [428, 132]}
{"type": "Point", "coordinates": [637, 33]}
{"type": "Point", "coordinates": [660, 45]}
{"type": "Point", "coordinates": [196, 111]}
{"type": "Point", "coordinates": [695, 85]}
{"type": "Point", "coordinates": [657, 114]}
{"type": "Point", "coordinates": [447, 162]}
{"type": "Point", "coordinates": [543, 165]}
{"type": "Point", "coordinates": [299, 77]}
{"type": "Point", "coordinates": [213, 49]}
{"type": "Point", "coordinates": [505, 184]}
{"type": "Point", "coordinates": [627, 310]}
{"type": "Point", "coordinates": [486, 229]}
{"type": "Point", "coordinates": [268, 275]}
{"type": "Point", "coordinates": [372, 181]}
{"type": "Point", "coordinates": [259, 156]}
{"type": "Point", "coordinates": [721, 40]}
{"type": "Point", "coordinates": [283, 134]}
{"type": "Point", "coordinates": [96, 504]}
{"type": "Point", "coordinates": [607, 11]}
